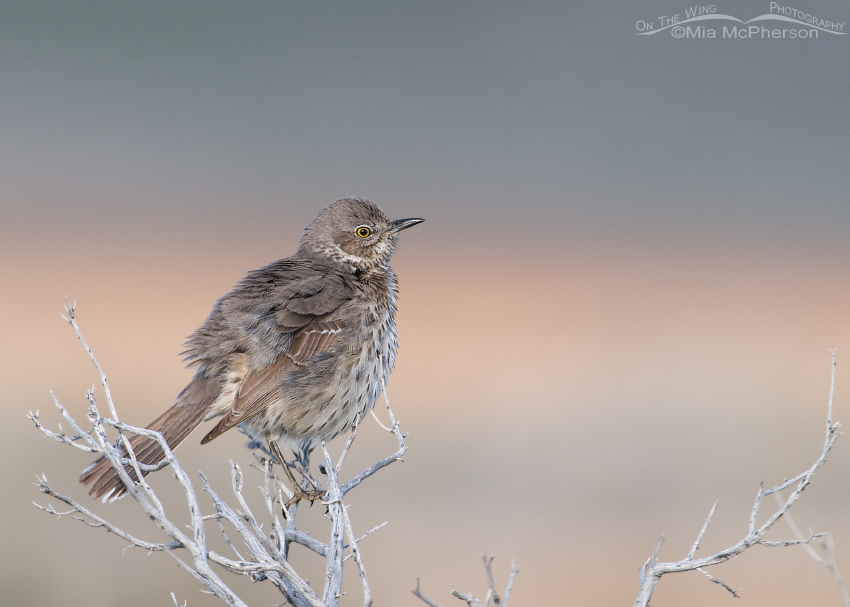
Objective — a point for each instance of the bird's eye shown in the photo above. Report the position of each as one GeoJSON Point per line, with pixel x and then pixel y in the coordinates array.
{"type": "Point", "coordinates": [364, 231]}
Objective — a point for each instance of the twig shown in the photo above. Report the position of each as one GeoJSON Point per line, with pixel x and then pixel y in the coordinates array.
{"type": "Point", "coordinates": [333, 500]}
{"type": "Point", "coordinates": [349, 442]}
{"type": "Point", "coordinates": [418, 593]}
{"type": "Point", "coordinates": [355, 551]}
{"type": "Point", "coordinates": [695, 547]}
{"type": "Point", "coordinates": [495, 593]}
{"type": "Point", "coordinates": [716, 581]}
{"type": "Point", "coordinates": [363, 537]}
{"type": "Point", "coordinates": [510, 586]}
{"type": "Point", "coordinates": [829, 548]}
{"type": "Point", "coordinates": [470, 598]}
{"type": "Point", "coordinates": [72, 320]}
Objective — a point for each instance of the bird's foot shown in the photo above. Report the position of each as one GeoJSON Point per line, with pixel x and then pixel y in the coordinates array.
{"type": "Point", "coordinates": [304, 494]}
{"type": "Point", "coordinates": [298, 492]}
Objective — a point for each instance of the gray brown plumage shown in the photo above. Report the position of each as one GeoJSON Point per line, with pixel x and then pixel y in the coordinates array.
{"type": "Point", "coordinates": [297, 349]}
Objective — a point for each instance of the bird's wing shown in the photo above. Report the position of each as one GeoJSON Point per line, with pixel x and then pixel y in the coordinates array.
{"type": "Point", "coordinates": [263, 387]}
{"type": "Point", "coordinates": [309, 296]}
{"type": "Point", "coordinates": [318, 337]}
{"type": "Point", "coordinates": [300, 312]}
{"type": "Point", "coordinates": [258, 390]}
{"type": "Point", "coordinates": [265, 310]}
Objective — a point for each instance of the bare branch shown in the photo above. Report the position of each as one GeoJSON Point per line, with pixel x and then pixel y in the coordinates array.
{"type": "Point", "coordinates": [470, 598]}
{"type": "Point", "coordinates": [784, 543]}
{"type": "Point", "coordinates": [299, 537]}
{"type": "Point", "coordinates": [510, 586]}
{"type": "Point", "coordinates": [695, 547]}
{"type": "Point", "coordinates": [333, 500]}
{"type": "Point", "coordinates": [72, 320]}
{"type": "Point", "coordinates": [380, 423]}
{"type": "Point", "coordinates": [348, 443]}
{"type": "Point", "coordinates": [418, 593]}
{"type": "Point", "coordinates": [355, 551]}
{"type": "Point", "coordinates": [716, 581]}
{"type": "Point", "coordinates": [653, 570]}
{"type": "Point", "coordinates": [494, 593]}
{"type": "Point", "coordinates": [288, 581]}
{"type": "Point", "coordinates": [44, 487]}
{"type": "Point", "coordinates": [362, 537]}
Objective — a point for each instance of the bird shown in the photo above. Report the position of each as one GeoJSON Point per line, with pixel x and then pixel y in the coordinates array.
{"type": "Point", "coordinates": [296, 351]}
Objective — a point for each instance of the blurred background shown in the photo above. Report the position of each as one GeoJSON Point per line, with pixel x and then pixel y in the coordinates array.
{"type": "Point", "coordinates": [619, 310]}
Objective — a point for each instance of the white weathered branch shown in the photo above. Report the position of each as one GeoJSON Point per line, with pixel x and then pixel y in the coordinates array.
{"type": "Point", "coordinates": [471, 599]}
{"type": "Point", "coordinates": [363, 537]}
{"type": "Point", "coordinates": [333, 500]}
{"type": "Point", "coordinates": [355, 552]}
{"type": "Point", "coordinates": [651, 572]}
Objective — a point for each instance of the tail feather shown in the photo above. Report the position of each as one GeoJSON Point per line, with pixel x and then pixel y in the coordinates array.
{"type": "Point", "coordinates": [175, 425]}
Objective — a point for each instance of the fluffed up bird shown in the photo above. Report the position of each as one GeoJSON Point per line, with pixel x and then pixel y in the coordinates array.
{"type": "Point", "coordinates": [297, 350]}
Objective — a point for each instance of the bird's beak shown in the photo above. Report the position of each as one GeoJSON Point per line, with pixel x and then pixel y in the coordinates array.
{"type": "Point", "coordinates": [403, 224]}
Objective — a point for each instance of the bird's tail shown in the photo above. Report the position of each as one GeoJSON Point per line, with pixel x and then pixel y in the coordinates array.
{"type": "Point", "coordinates": [175, 425]}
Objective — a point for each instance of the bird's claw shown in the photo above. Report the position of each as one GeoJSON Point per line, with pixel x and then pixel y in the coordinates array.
{"type": "Point", "coordinates": [304, 494]}
{"type": "Point", "coordinates": [298, 492]}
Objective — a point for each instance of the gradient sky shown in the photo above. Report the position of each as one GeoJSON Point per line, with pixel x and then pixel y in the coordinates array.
{"type": "Point", "coordinates": [635, 259]}
{"type": "Point", "coordinates": [551, 113]}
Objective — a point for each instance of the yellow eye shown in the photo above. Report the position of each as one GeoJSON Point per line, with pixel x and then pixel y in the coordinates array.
{"type": "Point", "coordinates": [364, 231]}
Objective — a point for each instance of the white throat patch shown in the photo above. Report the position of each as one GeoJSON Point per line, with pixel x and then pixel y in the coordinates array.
{"type": "Point", "coordinates": [335, 251]}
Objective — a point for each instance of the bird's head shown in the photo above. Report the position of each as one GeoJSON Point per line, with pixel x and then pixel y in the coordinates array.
{"type": "Point", "coordinates": [355, 232]}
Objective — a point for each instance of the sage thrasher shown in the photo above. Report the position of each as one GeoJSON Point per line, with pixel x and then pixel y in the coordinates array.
{"type": "Point", "coordinates": [297, 350]}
